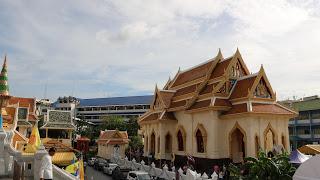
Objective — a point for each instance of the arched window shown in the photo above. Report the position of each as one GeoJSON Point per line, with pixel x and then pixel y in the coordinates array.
{"type": "Point", "coordinates": [168, 144]}
{"type": "Point", "coordinates": [158, 144]}
{"type": "Point", "coordinates": [200, 144]}
{"type": "Point", "coordinates": [180, 141]}
{"type": "Point", "coordinates": [257, 145]}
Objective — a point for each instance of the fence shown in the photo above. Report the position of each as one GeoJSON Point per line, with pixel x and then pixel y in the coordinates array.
{"type": "Point", "coordinates": [163, 173]}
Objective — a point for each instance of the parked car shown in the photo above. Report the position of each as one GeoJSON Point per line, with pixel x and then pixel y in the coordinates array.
{"type": "Point", "coordinates": [109, 168]}
{"type": "Point", "coordinates": [138, 175]}
{"type": "Point", "coordinates": [99, 163]}
{"type": "Point", "coordinates": [91, 161]}
{"type": "Point", "coordinates": [120, 173]}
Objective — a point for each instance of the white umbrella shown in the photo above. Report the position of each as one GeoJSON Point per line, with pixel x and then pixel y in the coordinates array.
{"type": "Point", "coordinates": [309, 170]}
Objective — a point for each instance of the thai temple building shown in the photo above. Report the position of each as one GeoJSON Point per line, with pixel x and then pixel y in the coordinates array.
{"type": "Point", "coordinates": [112, 142]}
{"type": "Point", "coordinates": [216, 111]}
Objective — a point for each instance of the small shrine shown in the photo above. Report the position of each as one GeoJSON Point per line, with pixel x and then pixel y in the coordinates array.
{"type": "Point", "coordinates": [112, 143]}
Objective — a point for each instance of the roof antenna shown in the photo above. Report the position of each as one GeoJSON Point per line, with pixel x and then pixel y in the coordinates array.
{"type": "Point", "coordinates": [45, 90]}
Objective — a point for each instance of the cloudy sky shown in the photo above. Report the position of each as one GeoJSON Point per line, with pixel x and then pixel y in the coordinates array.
{"type": "Point", "coordinates": [99, 48]}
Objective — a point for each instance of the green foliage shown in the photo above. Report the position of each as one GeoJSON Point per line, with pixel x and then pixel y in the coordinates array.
{"type": "Point", "coordinates": [135, 143]}
{"type": "Point", "coordinates": [264, 168]}
{"type": "Point", "coordinates": [113, 122]}
{"type": "Point", "coordinates": [117, 122]}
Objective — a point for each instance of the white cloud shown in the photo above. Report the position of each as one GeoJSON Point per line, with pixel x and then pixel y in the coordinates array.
{"type": "Point", "coordinates": [125, 47]}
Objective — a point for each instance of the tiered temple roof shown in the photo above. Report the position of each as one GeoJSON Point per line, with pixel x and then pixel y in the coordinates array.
{"type": "Point", "coordinates": [58, 120]}
{"type": "Point", "coordinates": [222, 84]}
{"type": "Point", "coordinates": [113, 137]}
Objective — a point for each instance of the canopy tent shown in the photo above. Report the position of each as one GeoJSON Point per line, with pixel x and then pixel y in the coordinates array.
{"type": "Point", "coordinates": [297, 157]}
{"type": "Point", "coordinates": [309, 170]}
{"type": "Point", "coordinates": [310, 149]}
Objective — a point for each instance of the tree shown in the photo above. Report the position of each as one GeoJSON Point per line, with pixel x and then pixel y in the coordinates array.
{"type": "Point", "coordinates": [135, 143]}
{"type": "Point", "coordinates": [113, 122]}
{"type": "Point", "coordinates": [118, 122]}
{"type": "Point", "coordinates": [264, 168]}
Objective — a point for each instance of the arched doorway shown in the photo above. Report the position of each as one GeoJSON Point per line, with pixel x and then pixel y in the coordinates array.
{"type": "Point", "coordinates": [200, 144]}
{"type": "Point", "coordinates": [257, 144]}
{"type": "Point", "coordinates": [180, 141]}
{"type": "Point", "coordinates": [153, 143]}
{"type": "Point", "coordinates": [237, 144]}
{"type": "Point", "coordinates": [168, 144]}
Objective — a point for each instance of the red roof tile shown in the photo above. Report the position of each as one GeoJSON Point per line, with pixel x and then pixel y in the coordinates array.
{"type": "Point", "coordinates": [201, 104]}
{"type": "Point", "coordinates": [166, 97]}
{"type": "Point", "coordinates": [192, 74]}
{"type": "Point", "coordinates": [108, 134]}
{"type": "Point", "coordinates": [23, 102]}
{"type": "Point", "coordinates": [269, 108]}
{"type": "Point", "coordinates": [186, 90]}
{"type": "Point", "coordinates": [242, 86]}
{"type": "Point", "coordinates": [220, 68]}
{"type": "Point", "coordinates": [239, 108]}
{"type": "Point", "coordinates": [222, 102]}
{"type": "Point", "coordinates": [178, 104]}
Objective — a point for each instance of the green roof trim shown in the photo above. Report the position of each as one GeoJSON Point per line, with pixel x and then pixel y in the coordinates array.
{"type": "Point", "coordinates": [308, 105]}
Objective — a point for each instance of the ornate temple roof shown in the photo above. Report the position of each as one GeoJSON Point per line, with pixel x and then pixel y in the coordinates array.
{"type": "Point", "coordinates": [222, 84]}
{"type": "Point", "coordinates": [58, 120]}
{"type": "Point", "coordinates": [113, 137]}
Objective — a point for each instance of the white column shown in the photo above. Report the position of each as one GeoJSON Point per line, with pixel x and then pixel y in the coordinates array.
{"type": "Point", "coordinates": [3, 164]}
{"type": "Point", "coordinates": [37, 161]}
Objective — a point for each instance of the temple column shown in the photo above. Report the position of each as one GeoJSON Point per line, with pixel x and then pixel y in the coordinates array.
{"type": "Point", "coordinates": [46, 133]}
{"type": "Point", "coordinates": [162, 143]}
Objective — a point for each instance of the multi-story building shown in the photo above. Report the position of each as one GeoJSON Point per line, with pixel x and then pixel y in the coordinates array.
{"type": "Point", "coordinates": [93, 110]}
{"type": "Point", "coordinates": [304, 129]}
{"type": "Point", "coordinates": [42, 106]}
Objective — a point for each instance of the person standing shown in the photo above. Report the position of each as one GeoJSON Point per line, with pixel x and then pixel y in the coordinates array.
{"type": "Point", "coordinates": [46, 165]}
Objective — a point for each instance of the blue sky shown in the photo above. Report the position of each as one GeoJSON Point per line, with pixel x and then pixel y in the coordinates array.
{"type": "Point", "coordinates": [99, 48]}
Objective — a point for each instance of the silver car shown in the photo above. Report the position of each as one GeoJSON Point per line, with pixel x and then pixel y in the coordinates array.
{"type": "Point", "coordinates": [107, 169]}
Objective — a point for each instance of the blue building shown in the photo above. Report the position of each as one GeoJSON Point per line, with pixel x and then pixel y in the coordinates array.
{"type": "Point", "coordinates": [304, 129]}
{"type": "Point", "coordinates": [94, 109]}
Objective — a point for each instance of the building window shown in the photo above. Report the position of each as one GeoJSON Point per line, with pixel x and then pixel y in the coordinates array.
{"type": "Point", "coordinates": [200, 143]}
{"type": "Point", "coordinates": [22, 113]}
{"type": "Point", "coordinates": [168, 144]}
{"type": "Point", "coordinates": [316, 114]}
{"type": "Point", "coordinates": [180, 141]}
{"type": "Point", "coordinates": [303, 115]}
{"type": "Point", "coordinates": [257, 145]}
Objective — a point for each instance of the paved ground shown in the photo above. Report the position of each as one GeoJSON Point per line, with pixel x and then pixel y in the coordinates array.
{"type": "Point", "coordinates": [93, 174]}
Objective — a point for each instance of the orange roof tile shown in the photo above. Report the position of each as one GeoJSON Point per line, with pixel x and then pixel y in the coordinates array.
{"type": "Point", "coordinates": [186, 90]}
{"type": "Point", "coordinates": [151, 117]}
{"type": "Point", "coordinates": [220, 68]}
{"type": "Point", "coordinates": [109, 134]}
{"type": "Point", "coordinates": [239, 108]}
{"type": "Point", "coordinates": [23, 102]}
{"type": "Point", "coordinates": [178, 104]}
{"type": "Point", "coordinates": [269, 108]}
{"type": "Point", "coordinates": [207, 89]}
{"type": "Point", "coordinates": [166, 97]}
{"type": "Point", "coordinates": [201, 104]}
{"type": "Point", "coordinates": [193, 74]}
{"type": "Point", "coordinates": [242, 86]}
{"type": "Point", "coordinates": [222, 102]}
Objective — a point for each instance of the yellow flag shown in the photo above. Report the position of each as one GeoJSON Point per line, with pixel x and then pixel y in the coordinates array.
{"type": "Point", "coordinates": [81, 169]}
{"type": "Point", "coordinates": [34, 141]}
{"type": "Point", "coordinates": [73, 168]}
